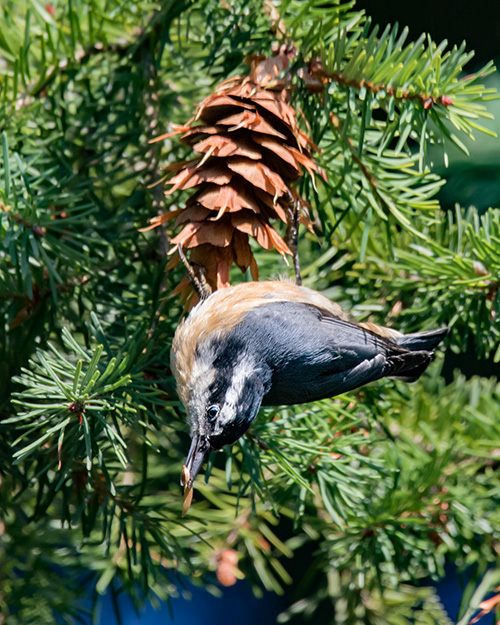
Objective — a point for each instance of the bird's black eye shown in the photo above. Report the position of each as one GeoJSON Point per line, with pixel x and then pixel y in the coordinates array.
{"type": "Point", "coordinates": [212, 413]}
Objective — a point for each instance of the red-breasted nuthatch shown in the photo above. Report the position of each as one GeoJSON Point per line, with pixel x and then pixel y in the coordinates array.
{"type": "Point", "coordinates": [275, 343]}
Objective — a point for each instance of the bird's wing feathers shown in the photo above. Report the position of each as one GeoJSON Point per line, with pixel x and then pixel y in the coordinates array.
{"type": "Point", "coordinates": [405, 358]}
{"type": "Point", "coordinates": [357, 333]}
{"type": "Point", "coordinates": [314, 354]}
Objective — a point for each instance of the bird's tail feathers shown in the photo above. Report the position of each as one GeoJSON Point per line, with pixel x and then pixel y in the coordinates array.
{"type": "Point", "coordinates": [409, 366]}
{"type": "Point", "coordinates": [427, 341]}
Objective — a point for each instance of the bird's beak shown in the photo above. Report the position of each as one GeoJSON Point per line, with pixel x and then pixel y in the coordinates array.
{"type": "Point", "coordinates": [198, 453]}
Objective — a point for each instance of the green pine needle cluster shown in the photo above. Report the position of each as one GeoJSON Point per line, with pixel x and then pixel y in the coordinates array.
{"type": "Point", "coordinates": [374, 491]}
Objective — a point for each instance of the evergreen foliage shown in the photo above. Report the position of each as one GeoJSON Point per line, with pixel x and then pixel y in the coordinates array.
{"type": "Point", "coordinates": [380, 488]}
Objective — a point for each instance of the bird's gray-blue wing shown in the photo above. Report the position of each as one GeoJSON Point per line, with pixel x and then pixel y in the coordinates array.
{"type": "Point", "coordinates": [313, 355]}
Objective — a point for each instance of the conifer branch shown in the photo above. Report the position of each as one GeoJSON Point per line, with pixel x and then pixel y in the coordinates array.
{"type": "Point", "coordinates": [427, 101]}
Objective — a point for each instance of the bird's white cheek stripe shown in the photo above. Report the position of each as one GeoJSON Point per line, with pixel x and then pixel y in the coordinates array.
{"type": "Point", "coordinates": [242, 371]}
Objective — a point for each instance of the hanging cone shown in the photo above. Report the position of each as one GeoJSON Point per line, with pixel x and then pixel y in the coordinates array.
{"type": "Point", "coordinates": [250, 151]}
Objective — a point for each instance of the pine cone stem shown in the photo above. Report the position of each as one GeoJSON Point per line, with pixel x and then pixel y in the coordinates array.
{"type": "Point", "coordinates": [200, 284]}
{"type": "Point", "coordinates": [292, 235]}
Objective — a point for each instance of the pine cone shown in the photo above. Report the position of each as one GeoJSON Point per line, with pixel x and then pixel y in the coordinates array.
{"type": "Point", "coordinates": [251, 152]}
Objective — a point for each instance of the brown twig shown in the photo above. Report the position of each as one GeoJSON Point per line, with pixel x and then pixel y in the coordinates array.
{"type": "Point", "coordinates": [39, 231]}
{"type": "Point", "coordinates": [427, 101]}
{"type": "Point", "coordinates": [292, 234]}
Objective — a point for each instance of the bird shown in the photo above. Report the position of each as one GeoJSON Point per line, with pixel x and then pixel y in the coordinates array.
{"type": "Point", "coordinates": [275, 343]}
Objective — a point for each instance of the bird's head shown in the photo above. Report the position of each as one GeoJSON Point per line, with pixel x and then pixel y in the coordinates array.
{"type": "Point", "coordinates": [226, 390]}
